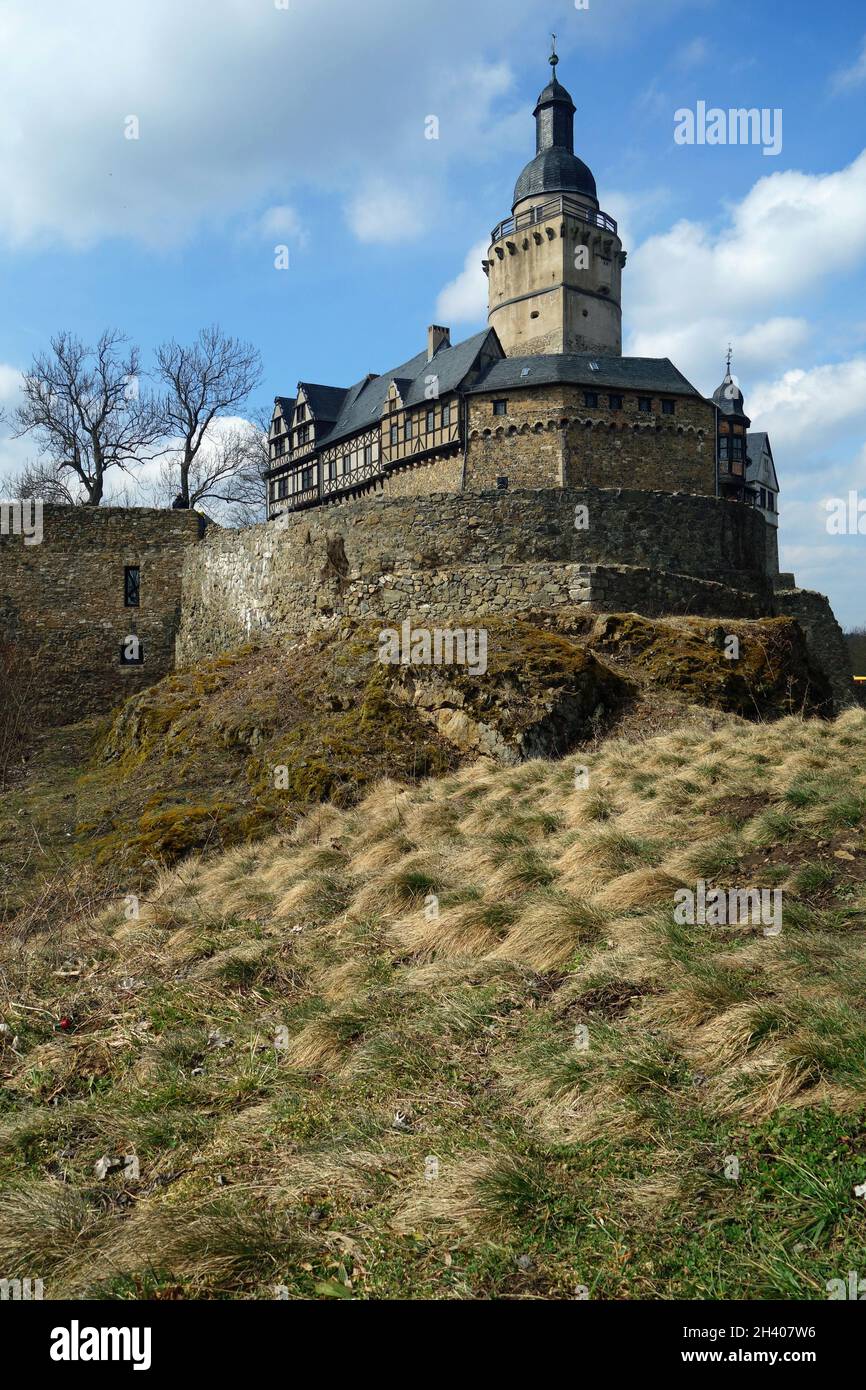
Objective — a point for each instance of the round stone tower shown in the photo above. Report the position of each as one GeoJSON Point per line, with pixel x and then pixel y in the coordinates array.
{"type": "Point", "coordinates": [555, 266]}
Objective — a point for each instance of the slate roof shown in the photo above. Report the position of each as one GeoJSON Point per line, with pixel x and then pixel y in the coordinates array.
{"type": "Point", "coordinates": [653, 374]}
{"type": "Point", "coordinates": [556, 170]}
{"type": "Point", "coordinates": [362, 405]}
{"type": "Point", "coordinates": [325, 402]}
{"type": "Point", "coordinates": [730, 400]}
{"type": "Point", "coordinates": [287, 406]}
{"type": "Point", "coordinates": [757, 439]}
{"type": "Point", "coordinates": [554, 91]}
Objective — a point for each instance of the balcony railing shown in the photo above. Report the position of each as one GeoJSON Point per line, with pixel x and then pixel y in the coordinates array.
{"type": "Point", "coordinates": [544, 211]}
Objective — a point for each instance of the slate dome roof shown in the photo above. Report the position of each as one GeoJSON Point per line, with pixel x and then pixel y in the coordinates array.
{"type": "Point", "coordinates": [556, 170]}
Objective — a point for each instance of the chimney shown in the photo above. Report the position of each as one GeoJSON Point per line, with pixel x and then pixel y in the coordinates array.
{"type": "Point", "coordinates": [435, 338]}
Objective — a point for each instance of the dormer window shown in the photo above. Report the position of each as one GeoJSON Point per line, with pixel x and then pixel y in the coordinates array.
{"type": "Point", "coordinates": [301, 413]}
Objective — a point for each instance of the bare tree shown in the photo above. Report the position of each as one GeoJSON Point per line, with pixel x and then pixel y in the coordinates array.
{"type": "Point", "coordinates": [87, 411]}
{"type": "Point", "coordinates": [39, 480]}
{"type": "Point", "coordinates": [226, 477]}
{"type": "Point", "coordinates": [211, 378]}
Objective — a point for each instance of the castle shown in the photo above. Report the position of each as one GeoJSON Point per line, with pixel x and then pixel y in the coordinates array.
{"type": "Point", "coordinates": [542, 398]}
{"type": "Point", "coordinates": [446, 489]}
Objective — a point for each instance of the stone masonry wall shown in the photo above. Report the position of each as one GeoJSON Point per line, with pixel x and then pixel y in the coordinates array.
{"type": "Point", "coordinates": [550, 437]}
{"type": "Point", "coordinates": [62, 603]}
{"type": "Point", "coordinates": [460, 554]}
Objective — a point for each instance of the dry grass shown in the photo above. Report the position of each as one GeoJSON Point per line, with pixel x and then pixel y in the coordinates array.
{"type": "Point", "coordinates": [484, 970]}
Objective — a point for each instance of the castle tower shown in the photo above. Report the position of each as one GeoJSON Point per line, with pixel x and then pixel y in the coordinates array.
{"type": "Point", "coordinates": [555, 266]}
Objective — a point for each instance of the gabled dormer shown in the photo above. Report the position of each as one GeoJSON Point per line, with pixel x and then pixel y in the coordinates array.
{"type": "Point", "coordinates": [280, 434]}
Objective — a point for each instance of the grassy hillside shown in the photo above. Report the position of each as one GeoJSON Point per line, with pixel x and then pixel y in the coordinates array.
{"type": "Point", "coordinates": [449, 1042]}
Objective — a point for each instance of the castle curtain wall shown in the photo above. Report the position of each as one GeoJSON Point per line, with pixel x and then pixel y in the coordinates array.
{"type": "Point", "coordinates": [63, 609]}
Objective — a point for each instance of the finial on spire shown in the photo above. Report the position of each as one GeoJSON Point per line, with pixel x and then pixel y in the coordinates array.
{"type": "Point", "coordinates": [554, 58]}
{"type": "Point", "coordinates": [730, 357]}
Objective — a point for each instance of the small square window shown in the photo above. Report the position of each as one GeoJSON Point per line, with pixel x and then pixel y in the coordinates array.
{"type": "Point", "coordinates": [615, 402]}
{"type": "Point", "coordinates": [590, 398]}
{"type": "Point", "coordinates": [669, 407]}
{"type": "Point", "coordinates": [644, 403]}
{"type": "Point", "coordinates": [500, 407]}
{"type": "Point", "coordinates": [131, 586]}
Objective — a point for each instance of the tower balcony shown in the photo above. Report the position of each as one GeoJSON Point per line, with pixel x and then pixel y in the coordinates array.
{"type": "Point", "coordinates": [553, 207]}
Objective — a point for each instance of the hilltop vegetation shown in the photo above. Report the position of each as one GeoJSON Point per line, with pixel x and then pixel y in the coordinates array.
{"type": "Point", "coordinates": [348, 1059]}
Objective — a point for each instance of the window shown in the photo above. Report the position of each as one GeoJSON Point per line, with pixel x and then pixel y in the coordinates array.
{"type": "Point", "coordinates": [368, 455]}
{"type": "Point", "coordinates": [500, 407]}
{"type": "Point", "coordinates": [308, 482]}
{"type": "Point", "coordinates": [737, 442]}
{"type": "Point", "coordinates": [409, 428]}
{"type": "Point", "coordinates": [644, 403]}
{"type": "Point", "coordinates": [446, 417]}
{"type": "Point", "coordinates": [771, 502]}
{"type": "Point", "coordinates": [615, 402]}
{"type": "Point", "coordinates": [131, 586]}
{"type": "Point", "coordinates": [395, 436]}
{"type": "Point", "coordinates": [284, 487]}
{"type": "Point", "coordinates": [669, 407]}
{"type": "Point", "coordinates": [590, 398]}
{"type": "Point", "coordinates": [332, 470]}
{"type": "Point", "coordinates": [301, 413]}
{"type": "Point", "coordinates": [431, 419]}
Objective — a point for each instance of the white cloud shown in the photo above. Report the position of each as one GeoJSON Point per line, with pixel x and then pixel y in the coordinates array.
{"type": "Point", "coordinates": [205, 147]}
{"type": "Point", "coordinates": [819, 407]}
{"type": "Point", "coordinates": [10, 383]}
{"type": "Point", "coordinates": [282, 221]}
{"type": "Point", "coordinates": [384, 215]}
{"type": "Point", "coordinates": [464, 300]}
{"type": "Point", "coordinates": [853, 76]}
{"type": "Point", "coordinates": [773, 247]}
{"type": "Point", "coordinates": [239, 104]}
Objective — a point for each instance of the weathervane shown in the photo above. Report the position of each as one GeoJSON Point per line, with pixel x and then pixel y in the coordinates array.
{"type": "Point", "coordinates": [730, 356]}
{"type": "Point", "coordinates": [553, 55]}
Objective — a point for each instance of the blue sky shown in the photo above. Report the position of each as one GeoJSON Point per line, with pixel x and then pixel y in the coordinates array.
{"type": "Point", "coordinates": [304, 125]}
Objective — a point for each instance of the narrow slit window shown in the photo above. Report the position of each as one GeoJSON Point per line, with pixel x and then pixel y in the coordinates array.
{"type": "Point", "coordinates": [131, 586]}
